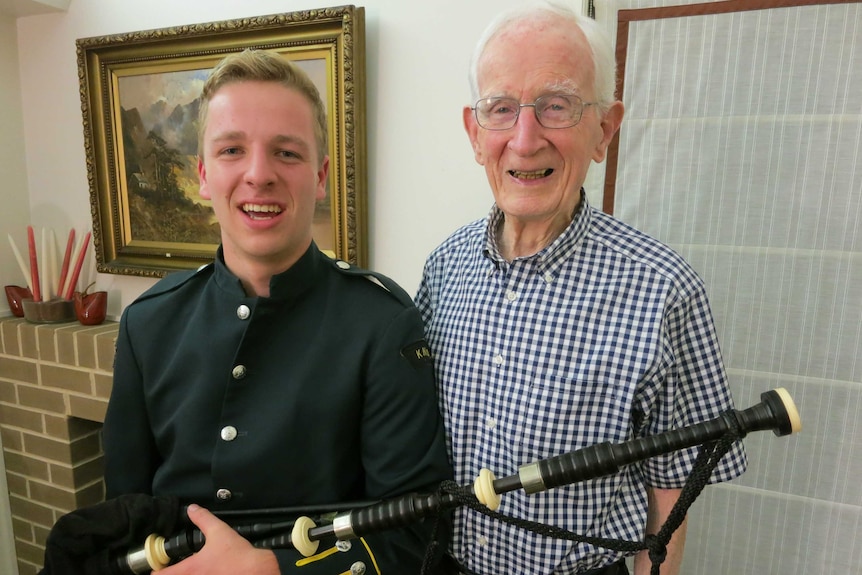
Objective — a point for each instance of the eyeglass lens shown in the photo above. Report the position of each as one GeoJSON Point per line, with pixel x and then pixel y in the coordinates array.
{"type": "Point", "coordinates": [552, 111]}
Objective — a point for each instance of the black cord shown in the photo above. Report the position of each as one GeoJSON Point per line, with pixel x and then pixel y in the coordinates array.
{"type": "Point", "coordinates": [707, 459]}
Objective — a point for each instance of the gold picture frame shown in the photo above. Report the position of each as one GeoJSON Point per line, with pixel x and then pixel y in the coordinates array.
{"type": "Point", "coordinates": [140, 133]}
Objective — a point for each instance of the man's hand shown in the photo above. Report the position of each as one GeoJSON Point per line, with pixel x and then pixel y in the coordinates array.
{"type": "Point", "coordinates": [225, 552]}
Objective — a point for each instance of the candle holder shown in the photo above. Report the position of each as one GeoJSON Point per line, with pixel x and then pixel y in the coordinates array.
{"type": "Point", "coordinates": [53, 311]}
{"type": "Point", "coordinates": [14, 296]}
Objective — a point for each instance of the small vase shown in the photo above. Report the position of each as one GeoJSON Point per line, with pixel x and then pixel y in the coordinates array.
{"type": "Point", "coordinates": [91, 308]}
{"type": "Point", "coordinates": [15, 295]}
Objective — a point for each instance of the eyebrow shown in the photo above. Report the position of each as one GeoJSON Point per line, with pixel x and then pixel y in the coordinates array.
{"type": "Point", "coordinates": [287, 139]}
{"type": "Point", "coordinates": [564, 87]}
{"type": "Point", "coordinates": [234, 135]}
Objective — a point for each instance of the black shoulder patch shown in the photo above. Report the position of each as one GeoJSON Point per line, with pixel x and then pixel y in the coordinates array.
{"type": "Point", "coordinates": [418, 354]}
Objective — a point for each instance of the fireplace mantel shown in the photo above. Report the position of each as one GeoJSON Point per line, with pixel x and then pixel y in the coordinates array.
{"type": "Point", "coordinates": [55, 380]}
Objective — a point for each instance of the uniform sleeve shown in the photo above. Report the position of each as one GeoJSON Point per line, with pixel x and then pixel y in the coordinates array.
{"type": "Point", "coordinates": [403, 451]}
{"type": "Point", "coordinates": [131, 457]}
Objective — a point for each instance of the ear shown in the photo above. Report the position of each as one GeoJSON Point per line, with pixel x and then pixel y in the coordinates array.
{"type": "Point", "coordinates": [610, 123]}
{"type": "Point", "coordinates": [203, 190]}
{"type": "Point", "coordinates": [472, 129]}
{"type": "Point", "coordinates": [322, 173]}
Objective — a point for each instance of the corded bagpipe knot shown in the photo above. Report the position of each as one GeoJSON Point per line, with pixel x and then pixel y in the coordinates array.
{"type": "Point", "coordinates": [657, 549]}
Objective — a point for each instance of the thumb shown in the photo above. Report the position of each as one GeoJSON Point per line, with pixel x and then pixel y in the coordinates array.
{"type": "Point", "coordinates": [203, 519]}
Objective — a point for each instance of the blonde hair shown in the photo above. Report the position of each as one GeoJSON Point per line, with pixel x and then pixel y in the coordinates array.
{"type": "Point", "coordinates": [261, 66]}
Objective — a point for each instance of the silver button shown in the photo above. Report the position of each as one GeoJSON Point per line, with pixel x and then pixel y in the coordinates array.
{"type": "Point", "coordinates": [242, 312]}
{"type": "Point", "coordinates": [357, 568]}
{"type": "Point", "coordinates": [343, 545]}
{"type": "Point", "coordinates": [238, 372]}
{"type": "Point", "coordinates": [345, 266]}
{"type": "Point", "coordinates": [228, 433]}
{"type": "Point", "coordinates": [224, 494]}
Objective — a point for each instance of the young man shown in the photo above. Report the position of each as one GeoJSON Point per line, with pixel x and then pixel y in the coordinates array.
{"type": "Point", "coordinates": [276, 376]}
{"type": "Point", "coordinates": [556, 327]}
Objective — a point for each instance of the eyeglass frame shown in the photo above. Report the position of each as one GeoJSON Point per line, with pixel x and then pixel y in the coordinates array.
{"type": "Point", "coordinates": [475, 110]}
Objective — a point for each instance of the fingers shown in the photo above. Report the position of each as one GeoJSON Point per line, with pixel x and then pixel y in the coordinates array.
{"type": "Point", "coordinates": [203, 519]}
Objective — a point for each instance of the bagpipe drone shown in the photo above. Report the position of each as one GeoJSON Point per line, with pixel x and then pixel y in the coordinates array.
{"type": "Point", "coordinates": [293, 528]}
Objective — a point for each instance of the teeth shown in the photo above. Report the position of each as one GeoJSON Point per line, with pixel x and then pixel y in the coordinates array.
{"type": "Point", "coordinates": [533, 175]}
{"type": "Point", "coordinates": [260, 211]}
{"type": "Point", "coordinates": [261, 208]}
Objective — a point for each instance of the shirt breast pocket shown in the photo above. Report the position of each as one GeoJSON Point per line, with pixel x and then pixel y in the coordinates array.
{"type": "Point", "coordinates": [563, 414]}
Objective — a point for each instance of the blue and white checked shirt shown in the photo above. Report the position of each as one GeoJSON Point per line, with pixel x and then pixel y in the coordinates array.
{"type": "Point", "coordinates": [604, 335]}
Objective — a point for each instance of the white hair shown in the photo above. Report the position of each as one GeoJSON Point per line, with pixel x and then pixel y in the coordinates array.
{"type": "Point", "coordinates": [604, 63]}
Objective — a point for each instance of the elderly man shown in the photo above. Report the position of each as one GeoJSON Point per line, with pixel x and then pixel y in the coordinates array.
{"type": "Point", "coordinates": [554, 326]}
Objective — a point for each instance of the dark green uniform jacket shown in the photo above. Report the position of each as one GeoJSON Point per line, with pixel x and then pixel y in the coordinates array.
{"type": "Point", "coordinates": [314, 395]}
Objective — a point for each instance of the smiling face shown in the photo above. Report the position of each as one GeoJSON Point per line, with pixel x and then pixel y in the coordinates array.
{"type": "Point", "coordinates": [536, 173]}
{"type": "Point", "coordinates": [261, 169]}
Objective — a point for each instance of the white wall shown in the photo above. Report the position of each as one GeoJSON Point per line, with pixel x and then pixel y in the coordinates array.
{"type": "Point", "coordinates": [13, 218]}
{"type": "Point", "coordinates": [15, 214]}
{"type": "Point", "coordinates": [422, 179]}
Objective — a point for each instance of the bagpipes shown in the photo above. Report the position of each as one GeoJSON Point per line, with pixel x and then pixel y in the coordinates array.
{"type": "Point", "coordinates": [776, 412]}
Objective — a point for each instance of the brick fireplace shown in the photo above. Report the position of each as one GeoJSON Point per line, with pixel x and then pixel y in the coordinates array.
{"type": "Point", "coordinates": [54, 386]}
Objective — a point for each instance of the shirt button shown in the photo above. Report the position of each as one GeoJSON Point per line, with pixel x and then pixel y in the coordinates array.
{"type": "Point", "coordinates": [511, 296]}
{"type": "Point", "coordinates": [549, 278]}
{"type": "Point", "coordinates": [224, 494]}
{"type": "Point", "coordinates": [498, 359]}
{"type": "Point", "coordinates": [242, 312]}
{"type": "Point", "coordinates": [228, 433]}
{"type": "Point", "coordinates": [238, 372]}
{"type": "Point", "coordinates": [490, 423]}
{"type": "Point", "coordinates": [343, 265]}
{"type": "Point", "coordinates": [482, 540]}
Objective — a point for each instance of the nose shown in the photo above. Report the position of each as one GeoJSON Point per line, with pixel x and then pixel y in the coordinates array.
{"type": "Point", "coordinates": [527, 133]}
{"type": "Point", "coordinates": [260, 172]}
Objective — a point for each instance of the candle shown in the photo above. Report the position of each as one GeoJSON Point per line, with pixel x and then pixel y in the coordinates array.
{"type": "Point", "coordinates": [50, 265]}
{"type": "Point", "coordinates": [45, 271]}
{"type": "Point", "coordinates": [79, 261]}
{"type": "Point", "coordinates": [21, 263]}
{"type": "Point", "coordinates": [34, 264]}
{"type": "Point", "coordinates": [64, 269]}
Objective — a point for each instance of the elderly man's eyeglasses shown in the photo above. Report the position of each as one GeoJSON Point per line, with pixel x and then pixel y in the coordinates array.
{"type": "Point", "coordinates": [552, 111]}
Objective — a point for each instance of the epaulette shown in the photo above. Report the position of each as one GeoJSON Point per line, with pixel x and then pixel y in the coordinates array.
{"type": "Point", "coordinates": [376, 278]}
{"type": "Point", "coordinates": [172, 281]}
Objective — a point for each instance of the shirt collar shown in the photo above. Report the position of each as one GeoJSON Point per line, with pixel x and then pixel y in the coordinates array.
{"type": "Point", "coordinates": [551, 255]}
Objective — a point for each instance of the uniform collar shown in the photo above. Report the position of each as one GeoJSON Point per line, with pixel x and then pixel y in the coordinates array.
{"type": "Point", "coordinates": [286, 285]}
{"type": "Point", "coordinates": [557, 251]}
